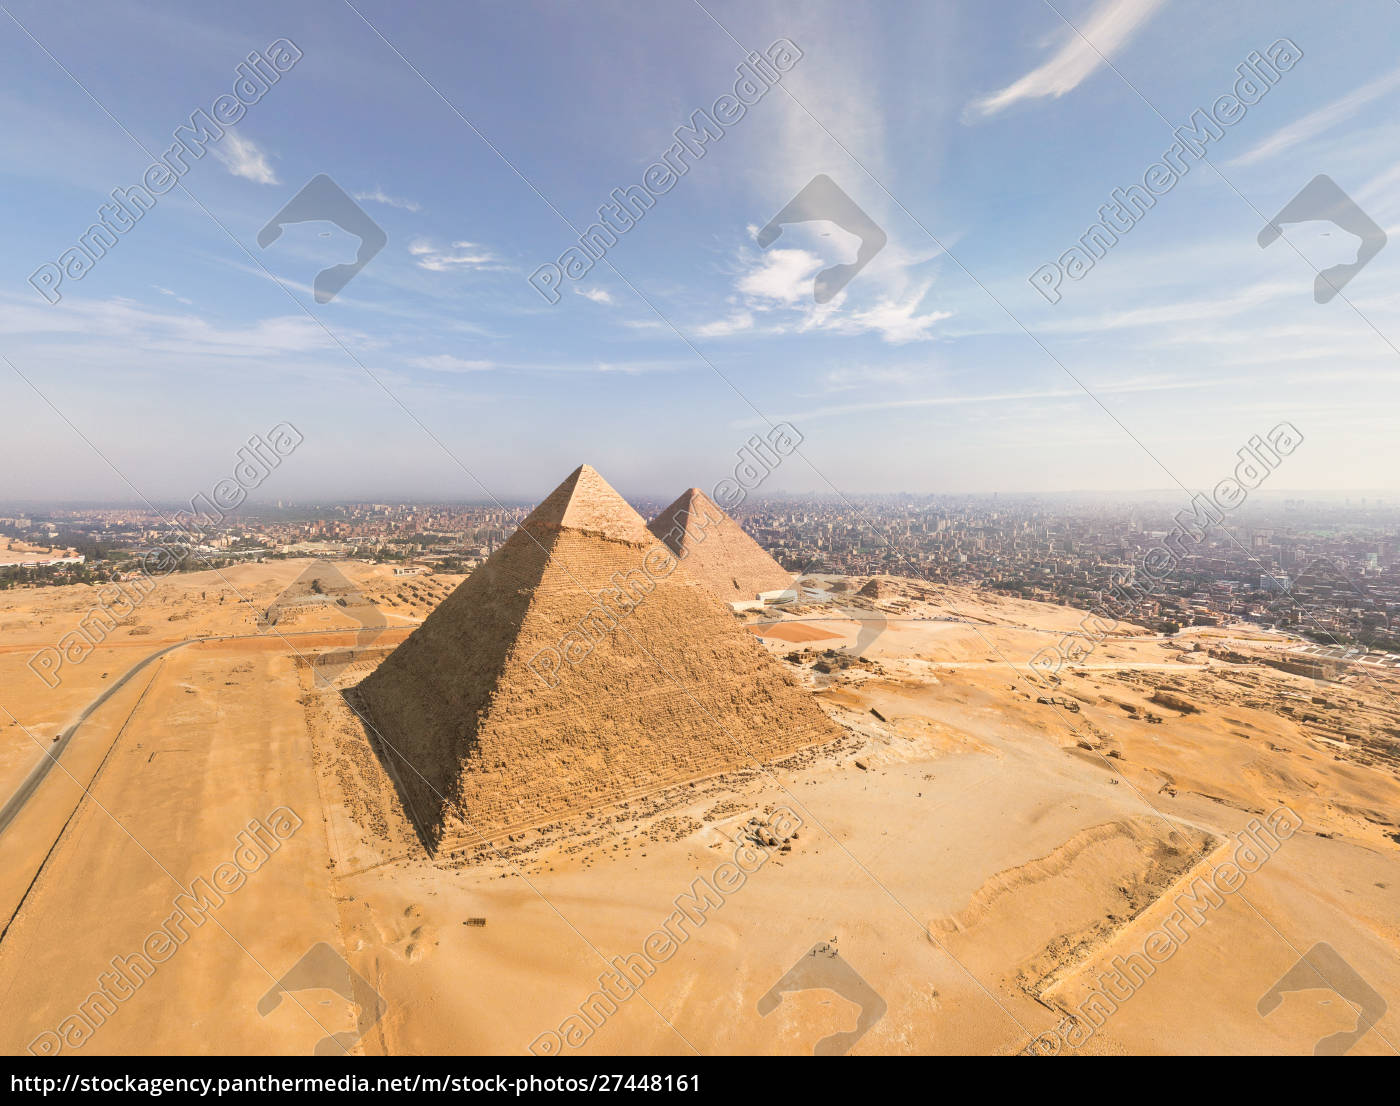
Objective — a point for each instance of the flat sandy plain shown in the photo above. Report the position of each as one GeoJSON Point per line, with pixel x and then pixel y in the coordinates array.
{"type": "Point", "coordinates": [977, 857]}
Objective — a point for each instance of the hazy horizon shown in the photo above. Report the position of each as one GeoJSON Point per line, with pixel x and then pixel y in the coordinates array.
{"type": "Point", "coordinates": [1370, 497]}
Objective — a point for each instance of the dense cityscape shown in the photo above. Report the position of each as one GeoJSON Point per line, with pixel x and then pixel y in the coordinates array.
{"type": "Point", "coordinates": [1325, 569]}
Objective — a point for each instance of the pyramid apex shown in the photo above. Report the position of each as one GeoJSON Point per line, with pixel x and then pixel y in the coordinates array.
{"type": "Point", "coordinates": [506, 730]}
{"type": "Point", "coordinates": [585, 501]}
{"type": "Point", "coordinates": [716, 549]}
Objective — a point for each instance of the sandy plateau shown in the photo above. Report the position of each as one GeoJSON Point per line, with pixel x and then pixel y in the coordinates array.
{"type": "Point", "coordinates": [976, 855]}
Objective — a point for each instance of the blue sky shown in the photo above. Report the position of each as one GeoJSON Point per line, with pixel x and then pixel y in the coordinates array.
{"type": "Point", "coordinates": [981, 137]}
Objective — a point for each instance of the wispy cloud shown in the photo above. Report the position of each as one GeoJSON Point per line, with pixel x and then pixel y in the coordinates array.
{"type": "Point", "coordinates": [722, 328]}
{"type": "Point", "coordinates": [125, 324]}
{"type": "Point", "coordinates": [850, 378]}
{"type": "Point", "coordinates": [446, 259]}
{"type": "Point", "coordinates": [1109, 28]}
{"type": "Point", "coordinates": [173, 295]}
{"type": "Point", "coordinates": [773, 295]}
{"type": "Point", "coordinates": [243, 159]}
{"type": "Point", "coordinates": [1199, 310]}
{"type": "Point", "coordinates": [895, 318]}
{"type": "Point", "coordinates": [597, 295]}
{"type": "Point", "coordinates": [632, 368]}
{"type": "Point", "coordinates": [379, 196]}
{"type": "Point", "coordinates": [446, 363]}
{"type": "Point", "coordinates": [1035, 395]}
{"type": "Point", "coordinates": [1382, 188]}
{"type": "Point", "coordinates": [1319, 121]}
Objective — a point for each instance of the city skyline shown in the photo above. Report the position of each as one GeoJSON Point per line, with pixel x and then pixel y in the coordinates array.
{"type": "Point", "coordinates": [1324, 568]}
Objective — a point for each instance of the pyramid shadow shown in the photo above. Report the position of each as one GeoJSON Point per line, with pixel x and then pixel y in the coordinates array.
{"type": "Point", "coordinates": [651, 682]}
{"type": "Point", "coordinates": [486, 610]}
{"type": "Point", "coordinates": [393, 764]}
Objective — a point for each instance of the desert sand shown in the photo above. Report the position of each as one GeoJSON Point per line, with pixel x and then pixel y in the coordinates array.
{"type": "Point", "coordinates": [976, 856]}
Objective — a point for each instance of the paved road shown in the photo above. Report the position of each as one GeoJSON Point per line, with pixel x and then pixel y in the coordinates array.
{"type": "Point", "coordinates": [46, 762]}
{"type": "Point", "coordinates": [40, 771]}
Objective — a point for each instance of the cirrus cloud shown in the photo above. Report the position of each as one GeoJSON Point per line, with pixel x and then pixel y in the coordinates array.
{"type": "Point", "coordinates": [1108, 28]}
{"type": "Point", "coordinates": [446, 259]}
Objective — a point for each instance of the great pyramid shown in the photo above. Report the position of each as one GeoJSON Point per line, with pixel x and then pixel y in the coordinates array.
{"type": "Point", "coordinates": [715, 551]}
{"type": "Point", "coordinates": [574, 669]}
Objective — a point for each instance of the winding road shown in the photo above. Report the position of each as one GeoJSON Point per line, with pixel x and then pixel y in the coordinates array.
{"type": "Point", "coordinates": [40, 771]}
